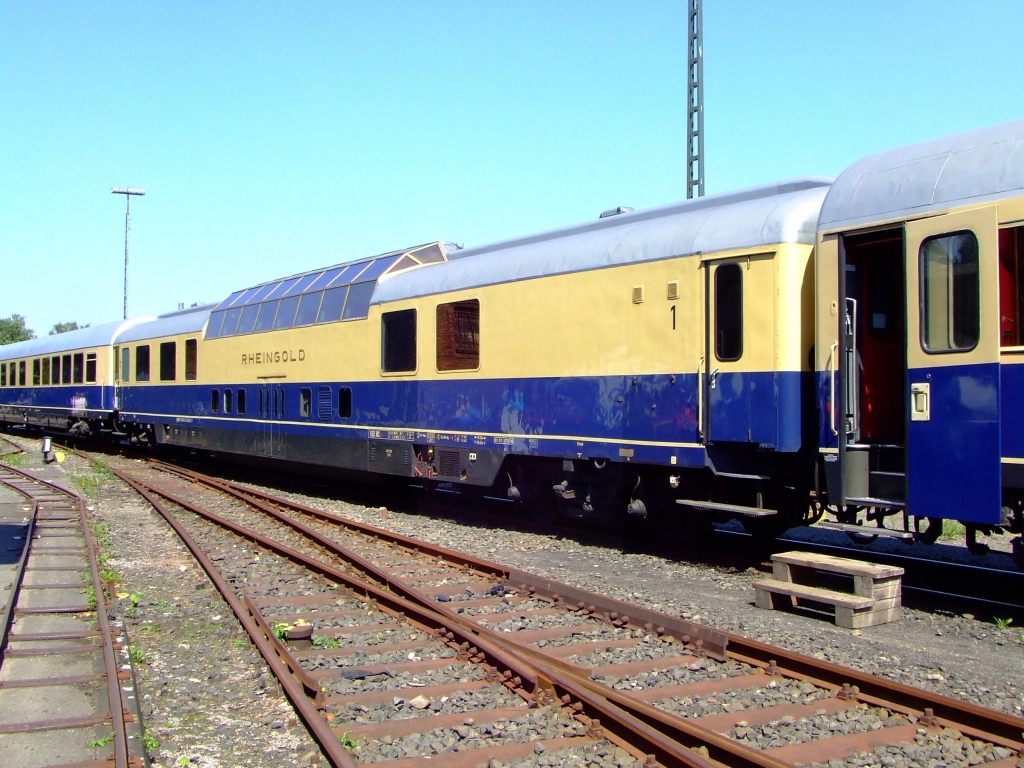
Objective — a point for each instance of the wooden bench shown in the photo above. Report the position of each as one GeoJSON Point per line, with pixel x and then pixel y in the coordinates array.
{"type": "Point", "coordinates": [877, 589]}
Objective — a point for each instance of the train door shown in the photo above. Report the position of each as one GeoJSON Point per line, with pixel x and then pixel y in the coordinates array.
{"type": "Point", "coordinates": [739, 355]}
{"type": "Point", "coordinates": [953, 378]}
{"type": "Point", "coordinates": [872, 373]}
{"type": "Point", "coordinates": [117, 378]}
{"type": "Point", "coordinates": [269, 408]}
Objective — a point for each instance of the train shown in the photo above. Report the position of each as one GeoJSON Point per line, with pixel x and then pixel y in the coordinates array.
{"type": "Point", "coordinates": [846, 351]}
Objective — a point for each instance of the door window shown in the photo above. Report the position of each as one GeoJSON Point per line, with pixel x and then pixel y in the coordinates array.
{"type": "Point", "coordinates": [950, 292]}
{"type": "Point", "coordinates": [729, 312]}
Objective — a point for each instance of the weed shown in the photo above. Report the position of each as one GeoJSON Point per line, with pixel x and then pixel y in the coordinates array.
{"type": "Point", "coordinates": [89, 484]}
{"type": "Point", "coordinates": [183, 762]}
{"type": "Point", "coordinates": [239, 642]}
{"type": "Point", "coordinates": [280, 629]}
{"type": "Point", "coordinates": [88, 590]}
{"type": "Point", "coordinates": [137, 655]}
{"type": "Point", "coordinates": [150, 742]}
{"type": "Point", "coordinates": [1003, 623]}
{"type": "Point", "coordinates": [133, 599]}
{"type": "Point", "coordinates": [951, 529]}
{"type": "Point", "coordinates": [379, 637]}
{"type": "Point", "coordinates": [102, 741]}
{"type": "Point", "coordinates": [14, 459]}
{"type": "Point", "coordinates": [348, 742]}
{"type": "Point", "coordinates": [108, 574]}
{"type": "Point", "coordinates": [327, 643]}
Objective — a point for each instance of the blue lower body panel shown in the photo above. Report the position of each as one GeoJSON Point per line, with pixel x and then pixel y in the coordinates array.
{"type": "Point", "coordinates": [954, 459]}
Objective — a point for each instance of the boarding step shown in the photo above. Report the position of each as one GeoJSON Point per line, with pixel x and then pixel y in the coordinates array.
{"type": "Point", "coordinates": [877, 589]}
{"type": "Point", "coordinates": [864, 530]}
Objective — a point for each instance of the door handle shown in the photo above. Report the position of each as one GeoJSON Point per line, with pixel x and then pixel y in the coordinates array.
{"type": "Point", "coordinates": [920, 401]}
{"type": "Point", "coordinates": [713, 378]}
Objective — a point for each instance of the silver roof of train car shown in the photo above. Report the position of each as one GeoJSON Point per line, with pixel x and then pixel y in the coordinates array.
{"type": "Point", "coordinates": [784, 212]}
{"type": "Point", "coordinates": [972, 167]}
{"type": "Point", "coordinates": [84, 338]}
{"type": "Point", "coordinates": [191, 320]}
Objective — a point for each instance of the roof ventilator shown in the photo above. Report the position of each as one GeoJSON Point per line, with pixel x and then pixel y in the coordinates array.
{"type": "Point", "coordinates": [615, 211]}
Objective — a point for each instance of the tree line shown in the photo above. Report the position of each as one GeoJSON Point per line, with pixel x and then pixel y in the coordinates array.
{"type": "Point", "coordinates": [13, 329]}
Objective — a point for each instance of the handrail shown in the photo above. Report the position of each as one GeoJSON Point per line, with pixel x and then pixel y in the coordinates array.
{"type": "Point", "coordinates": [700, 397]}
{"type": "Point", "coordinates": [832, 387]}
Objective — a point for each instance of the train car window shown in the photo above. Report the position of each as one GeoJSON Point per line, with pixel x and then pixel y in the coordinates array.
{"type": "Point", "coordinates": [65, 369]}
{"type": "Point", "coordinates": [358, 304]}
{"type": "Point", "coordinates": [325, 278]}
{"type": "Point", "coordinates": [262, 293]}
{"type": "Point", "coordinates": [304, 282]}
{"type": "Point", "coordinates": [3, 374]}
{"type": "Point", "coordinates": [286, 312]}
{"type": "Point", "coordinates": [168, 360]}
{"type": "Point", "coordinates": [1011, 286]}
{"type": "Point", "coordinates": [117, 363]}
{"type": "Point", "coordinates": [78, 368]}
{"type": "Point", "coordinates": [350, 273]}
{"type": "Point", "coordinates": [230, 324]}
{"type": "Point", "coordinates": [323, 403]}
{"type": "Point", "coordinates": [458, 336]}
{"type": "Point", "coordinates": [333, 304]}
{"type": "Point", "coordinates": [215, 400]}
{"type": "Point", "coordinates": [213, 327]}
{"type": "Point", "coordinates": [55, 370]}
{"type": "Point", "coordinates": [268, 310]}
{"type": "Point", "coordinates": [227, 401]}
{"type": "Point", "coordinates": [21, 373]}
{"type": "Point", "coordinates": [46, 371]}
{"type": "Point", "coordinates": [345, 403]}
{"type": "Point", "coordinates": [305, 402]}
{"type": "Point", "coordinates": [309, 307]}
{"type": "Point", "coordinates": [279, 403]}
{"type": "Point", "coordinates": [263, 403]}
{"type": "Point", "coordinates": [729, 312]}
{"type": "Point", "coordinates": [241, 401]}
{"type": "Point", "coordinates": [191, 359]}
{"type": "Point", "coordinates": [37, 373]}
{"type": "Point", "coordinates": [142, 363]}
{"type": "Point", "coordinates": [398, 341]}
{"type": "Point", "coordinates": [281, 289]}
{"type": "Point", "coordinates": [248, 321]}
{"type": "Point", "coordinates": [950, 293]}
{"type": "Point", "coordinates": [90, 368]}
{"type": "Point", "coordinates": [126, 369]}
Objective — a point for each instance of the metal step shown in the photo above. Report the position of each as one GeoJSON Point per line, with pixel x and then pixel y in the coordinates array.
{"type": "Point", "coordinates": [869, 501]}
{"type": "Point", "coordinates": [714, 506]}
{"type": "Point", "coordinates": [866, 531]}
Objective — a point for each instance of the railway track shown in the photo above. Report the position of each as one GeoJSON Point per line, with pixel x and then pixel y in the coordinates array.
{"type": "Point", "coordinates": [64, 697]}
{"type": "Point", "coordinates": [397, 651]}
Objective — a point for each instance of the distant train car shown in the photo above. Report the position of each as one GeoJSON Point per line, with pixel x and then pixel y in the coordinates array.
{"type": "Point", "coordinates": [919, 349]}
{"type": "Point", "coordinates": [63, 382]}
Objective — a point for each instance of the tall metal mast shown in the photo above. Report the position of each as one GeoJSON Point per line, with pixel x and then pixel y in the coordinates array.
{"type": "Point", "coordinates": [127, 192]}
{"type": "Point", "coordinates": [695, 100]}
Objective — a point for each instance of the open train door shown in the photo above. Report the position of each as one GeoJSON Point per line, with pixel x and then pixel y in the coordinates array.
{"type": "Point", "coordinates": [953, 437]}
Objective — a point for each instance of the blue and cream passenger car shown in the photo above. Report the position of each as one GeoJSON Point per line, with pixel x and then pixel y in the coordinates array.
{"type": "Point", "coordinates": [919, 337]}
{"type": "Point", "coordinates": [64, 381]}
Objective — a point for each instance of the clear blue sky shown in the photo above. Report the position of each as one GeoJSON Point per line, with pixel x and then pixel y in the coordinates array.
{"type": "Point", "coordinates": [277, 137]}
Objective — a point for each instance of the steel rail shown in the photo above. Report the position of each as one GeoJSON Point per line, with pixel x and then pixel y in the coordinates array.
{"type": "Point", "coordinates": [979, 722]}
{"type": "Point", "coordinates": [284, 673]}
{"type": "Point", "coordinates": [611, 717]}
{"type": "Point", "coordinates": [663, 733]}
{"type": "Point", "coordinates": [121, 757]}
{"type": "Point", "coordinates": [6, 618]}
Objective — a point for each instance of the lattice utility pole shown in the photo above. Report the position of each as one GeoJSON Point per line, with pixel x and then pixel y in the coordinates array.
{"type": "Point", "coordinates": [695, 101]}
{"type": "Point", "coordinates": [127, 192]}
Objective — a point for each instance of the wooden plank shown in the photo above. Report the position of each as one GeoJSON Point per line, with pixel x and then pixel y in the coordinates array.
{"type": "Point", "coordinates": [837, 564]}
{"type": "Point", "coordinates": [844, 599]}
